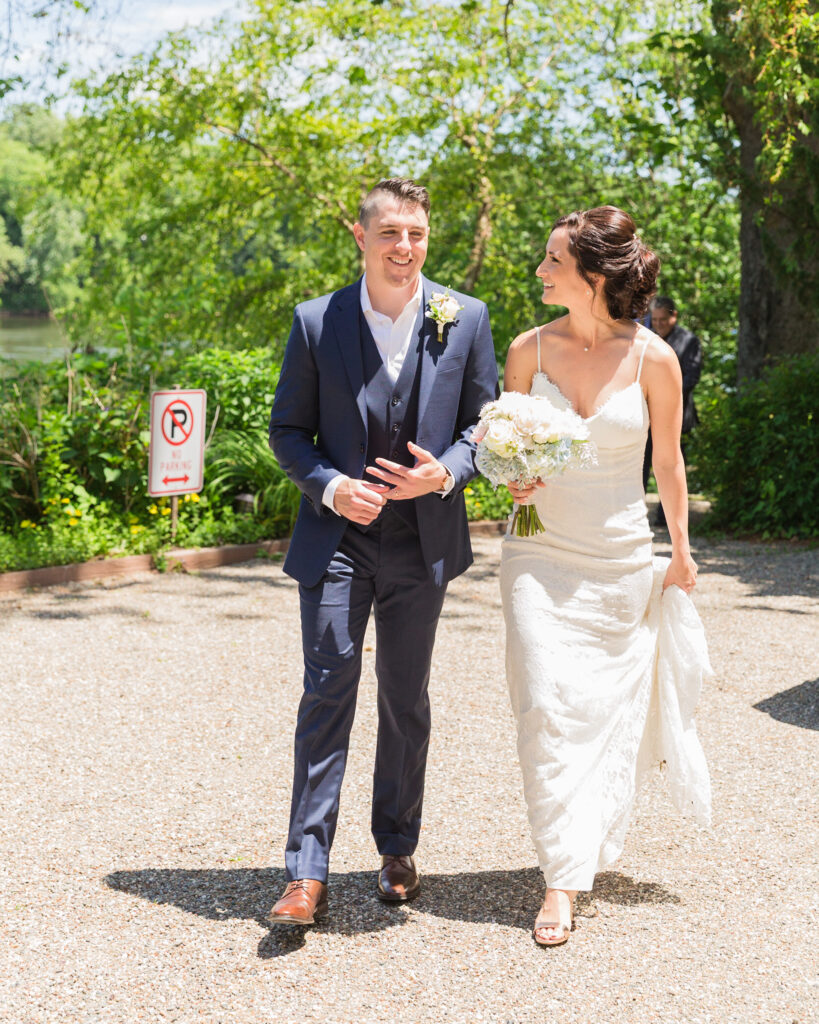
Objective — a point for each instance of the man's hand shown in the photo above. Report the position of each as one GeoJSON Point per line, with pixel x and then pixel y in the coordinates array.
{"type": "Point", "coordinates": [359, 501]}
{"type": "Point", "coordinates": [426, 476]}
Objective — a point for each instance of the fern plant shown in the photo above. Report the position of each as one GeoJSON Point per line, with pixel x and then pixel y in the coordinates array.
{"type": "Point", "coordinates": [243, 463]}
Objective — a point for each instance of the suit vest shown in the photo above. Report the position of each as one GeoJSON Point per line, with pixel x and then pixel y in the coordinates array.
{"type": "Point", "coordinates": [392, 409]}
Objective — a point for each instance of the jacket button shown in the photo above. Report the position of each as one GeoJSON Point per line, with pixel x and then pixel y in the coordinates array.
{"type": "Point", "coordinates": [396, 427]}
{"type": "Point", "coordinates": [361, 448]}
{"type": "Point", "coordinates": [396, 400]}
{"type": "Point", "coordinates": [394, 453]}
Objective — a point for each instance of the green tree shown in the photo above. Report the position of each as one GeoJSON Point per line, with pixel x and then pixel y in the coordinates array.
{"type": "Point", "coordinates": [221, 175]}
{"type": "Point", "coordinates": [757, 65]}
{"type": "Point", "coordinates": [40, 229]}
{"type": "Point", "coordinates": [21, 172]}
{"type": "Point", "coordinates": [39, 39]}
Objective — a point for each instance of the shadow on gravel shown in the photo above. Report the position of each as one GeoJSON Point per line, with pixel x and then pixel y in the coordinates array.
{"type": "Point", "coordinates": [508, 898]}
{"type": "Point", "coordinates": [248, 894]}
{"type": "Point", "coordinates": [797, 706]}
{"type": "Point", "coordinates": [482, 569]}
{"type": "Point", "coordinates": [277, 579]}
{"type": "Point", "coordinates": [768, 570]}
{"type": "Point", "coordinates": [85, 613]}
{"type": "Point", "coordinates": [612, 887]}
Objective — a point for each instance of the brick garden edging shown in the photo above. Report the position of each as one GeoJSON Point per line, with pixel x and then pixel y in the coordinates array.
{"type": "Point", "coordinates": [187, 559]}
{"type": "Point", "coordinates": [193, 559]}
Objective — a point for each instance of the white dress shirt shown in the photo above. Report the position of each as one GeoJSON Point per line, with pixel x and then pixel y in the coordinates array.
{"type": "Point", "coordinates": [392, 339]}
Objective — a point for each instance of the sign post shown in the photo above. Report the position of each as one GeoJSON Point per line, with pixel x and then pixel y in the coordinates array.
{"type": "Point", "coordinates": [177, 450]}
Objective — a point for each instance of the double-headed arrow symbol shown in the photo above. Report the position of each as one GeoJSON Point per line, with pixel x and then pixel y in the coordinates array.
{"type": "Point", "coordinates": [175, 479]}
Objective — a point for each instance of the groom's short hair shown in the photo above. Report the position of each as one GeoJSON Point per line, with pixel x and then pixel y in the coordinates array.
{"type": "Point", "coordinates": [405, 190]}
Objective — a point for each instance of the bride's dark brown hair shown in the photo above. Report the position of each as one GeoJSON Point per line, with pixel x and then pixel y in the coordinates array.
{"type": "Point", "coordinates": [604, 241]}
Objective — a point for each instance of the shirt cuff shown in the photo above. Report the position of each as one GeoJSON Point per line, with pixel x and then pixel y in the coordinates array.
{"type": "Point", "coordinates": [330, 492]}
{"type": "Point", "coordinates": [449, 483]}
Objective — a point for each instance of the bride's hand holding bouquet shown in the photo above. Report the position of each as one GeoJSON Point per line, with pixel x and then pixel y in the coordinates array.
{"type": "Point", "coordinates": [523, 440]}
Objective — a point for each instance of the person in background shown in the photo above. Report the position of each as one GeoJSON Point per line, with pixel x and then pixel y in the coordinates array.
{"type": "Point", "coordinates": [688, 350]}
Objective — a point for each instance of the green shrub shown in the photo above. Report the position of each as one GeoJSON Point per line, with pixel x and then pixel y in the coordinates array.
{"type": "Point", "coordinates": [78, 529]}
{"type": "Point", "coordinates": [756, 453]}
{"type": "Point", "coordinates": [242, 462]}
{"type": "Point", "coordinates": [74, 459]}
{"type": "Point", "coordinates": [484, 503]}
{"type": "Point", "coordinates": [81, 420]}
{"type": "Point", "coordinates": [240, 383]}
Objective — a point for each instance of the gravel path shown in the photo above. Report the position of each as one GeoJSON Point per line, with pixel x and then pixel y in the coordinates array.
{"type": "Point", "coordinates": [146, 754]}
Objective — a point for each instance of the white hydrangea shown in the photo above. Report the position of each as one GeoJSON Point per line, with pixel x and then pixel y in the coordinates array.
{"type": "Point", "coordinates": [525, 438]}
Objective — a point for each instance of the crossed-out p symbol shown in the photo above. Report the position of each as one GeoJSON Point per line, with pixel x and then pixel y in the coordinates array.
{"type": "Point", "coordinates": [177, 422]}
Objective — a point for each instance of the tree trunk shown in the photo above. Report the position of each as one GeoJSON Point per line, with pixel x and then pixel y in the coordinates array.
{"type": "Point", "coordinates": [778, 314]}
{"type": "Point", "coordinates": [481, 234]}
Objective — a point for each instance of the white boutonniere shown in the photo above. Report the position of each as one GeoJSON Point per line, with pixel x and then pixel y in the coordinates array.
{"type": "Point", "coordinates": [443, 308]}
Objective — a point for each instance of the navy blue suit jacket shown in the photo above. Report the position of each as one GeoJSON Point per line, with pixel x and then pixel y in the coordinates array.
{"type": "Point", "coordinates": [318, 423]}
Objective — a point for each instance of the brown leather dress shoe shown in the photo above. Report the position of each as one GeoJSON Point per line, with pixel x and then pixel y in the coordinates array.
{"type": "Point", "coordinates": [303, 902]}
{"type": "Point", "coordinates": [398, 879]}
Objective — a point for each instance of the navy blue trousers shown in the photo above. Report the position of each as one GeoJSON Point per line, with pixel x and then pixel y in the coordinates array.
{"type": "Point", "coordinates": [382, 569]}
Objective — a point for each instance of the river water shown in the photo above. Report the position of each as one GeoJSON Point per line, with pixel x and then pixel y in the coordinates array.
{"type": "Point", "coordinates": [27, 337]}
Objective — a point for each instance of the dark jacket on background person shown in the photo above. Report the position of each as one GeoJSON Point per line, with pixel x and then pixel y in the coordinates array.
{"type": "Point", "coordinates": [689, 352]}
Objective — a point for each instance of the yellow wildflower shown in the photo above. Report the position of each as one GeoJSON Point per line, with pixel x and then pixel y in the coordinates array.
{"type": "Point", "coordinates": [26, 524]}
{"type": "Point", "coordinates": [72, 521]}
{"type": "Point", "coordinates": [166, 511]}
{"type": "Point", "coordinates": [153, 510]}
{"type": "Point", "coordinates": [468, 490]}
{"type": "Point", "coordinates": [194, 498]}
{"type": "Point", "coordinates": [66, 501]}
{"type": "Point", "coordinates": [136, 528]}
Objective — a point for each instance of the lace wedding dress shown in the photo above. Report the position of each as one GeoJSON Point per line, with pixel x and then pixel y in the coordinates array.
{"type": "Point", "coordinates": [604, 668]}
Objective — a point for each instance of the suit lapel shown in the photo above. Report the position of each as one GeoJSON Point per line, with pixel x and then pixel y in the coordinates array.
{"type": "Point", "coordinates": [345, 321]}
{"type": "Point", "coordinates": [430, 350]}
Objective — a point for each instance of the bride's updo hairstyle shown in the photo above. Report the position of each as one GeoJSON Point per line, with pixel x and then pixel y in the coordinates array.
{"type": "Point", "coordinates": [604, 241]}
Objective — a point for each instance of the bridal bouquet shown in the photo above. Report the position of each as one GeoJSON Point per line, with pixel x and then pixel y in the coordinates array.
{"type": "Point", "coordinates": [525, 438]}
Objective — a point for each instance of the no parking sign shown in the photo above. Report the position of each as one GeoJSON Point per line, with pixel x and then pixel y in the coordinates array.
{"type": "Point", "coordinates": [177, 451]}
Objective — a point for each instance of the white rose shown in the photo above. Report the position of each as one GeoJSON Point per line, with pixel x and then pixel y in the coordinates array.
{"type": "Point", "coordinates": [490, 411]}
{"type": "Point", "coordinates": [501, 438]}
{"type": "Point", "coordinates": [512, 402]}
{"type": "Point", "coordinates": [449, 307]}
{"type": "Point", "coordinates": [527, 421]}
{"type": "Point", "coordinates": [546, 433]}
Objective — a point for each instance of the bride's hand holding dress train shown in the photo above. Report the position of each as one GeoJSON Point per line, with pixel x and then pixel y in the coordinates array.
{"type": "Point", "coordinates": [605, 652]}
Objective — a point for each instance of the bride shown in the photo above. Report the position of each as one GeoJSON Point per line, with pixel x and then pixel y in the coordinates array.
{"type": "Point", "coordinates": [605, 652]}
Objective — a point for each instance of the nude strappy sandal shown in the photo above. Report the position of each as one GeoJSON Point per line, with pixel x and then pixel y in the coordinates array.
{"type": "Point", "coordinates": [565, 922]}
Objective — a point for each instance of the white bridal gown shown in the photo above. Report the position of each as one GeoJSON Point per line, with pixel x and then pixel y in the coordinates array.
{"type": "Point", "coordinates": [604, 669]}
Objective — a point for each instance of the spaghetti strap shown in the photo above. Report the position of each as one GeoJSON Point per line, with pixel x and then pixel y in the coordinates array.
{"type": "Point", "coordinates": [646, 343]}
{"type": "Point", "coordinates": [538, 349]}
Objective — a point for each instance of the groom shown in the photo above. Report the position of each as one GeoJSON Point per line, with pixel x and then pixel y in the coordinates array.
{"type": "Point", "coordinates": [372, 420]}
